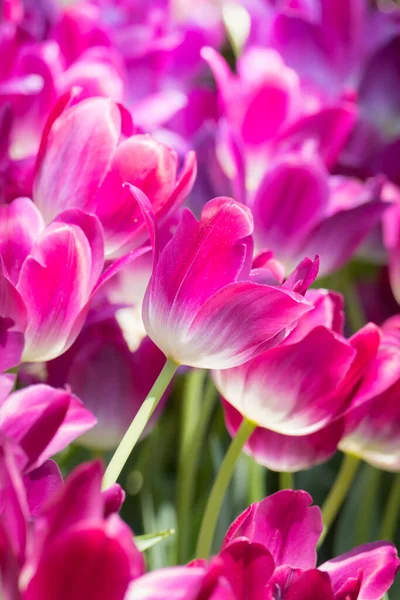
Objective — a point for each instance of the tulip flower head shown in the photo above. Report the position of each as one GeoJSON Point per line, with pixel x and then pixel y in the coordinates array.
{"type": "Point", "coordinates": [203, 306]}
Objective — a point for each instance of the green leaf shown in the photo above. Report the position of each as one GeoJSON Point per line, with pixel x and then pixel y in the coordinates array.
{"type": "Point", "coordinates": [144, 542]}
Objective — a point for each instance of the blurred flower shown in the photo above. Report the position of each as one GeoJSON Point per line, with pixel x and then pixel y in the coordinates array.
{"type": "Point", "coordinates": [111, 381]}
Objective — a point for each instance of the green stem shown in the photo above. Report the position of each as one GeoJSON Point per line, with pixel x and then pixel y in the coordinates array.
{"type": "Point", "coordinates": [138, 424]}
{"type": "Point", "coordinates": [216, 497]}
{"type": "Point", "coordinates": [257, 481]}
{"type": "Point", "coordinates": [286, 481]}
{"type": "Point", "coordinates": [190, 459]}
{"type": "Point", "coordinates": [338, 493]}
{"type": "Point", "coordinates": [392, 511]}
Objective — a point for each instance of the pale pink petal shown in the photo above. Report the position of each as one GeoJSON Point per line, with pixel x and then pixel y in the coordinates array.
{"type": "Point", "coordinates": [77, 156]}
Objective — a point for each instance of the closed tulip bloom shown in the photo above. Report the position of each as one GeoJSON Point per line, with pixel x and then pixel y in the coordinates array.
{"type": "Point", "coordinates": [48, 276]}
{"type": "Point", "coordinates": [97, 159]}
{"type": "Point", "coordinates": [203, 306]}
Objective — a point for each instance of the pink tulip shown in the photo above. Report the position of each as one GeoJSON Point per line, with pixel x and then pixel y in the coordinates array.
{"type": "Point", "coordinates": [97, 162]}
{"type": "Point", "coordinates": [203, 306]}
{"type": "Point", "coordinates": [72, 535]}
{"type": "Point", "coordinates": [49, 275]}
{"type": "Point", "coordinates": [269, 553]}
{"type": "Point", "coordinates": [111, 381]}
{"type": "Point", "coordinates": [299, 392]}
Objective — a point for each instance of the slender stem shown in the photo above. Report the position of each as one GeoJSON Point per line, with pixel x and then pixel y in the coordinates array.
{"type": "Point", "coordinates": [138, 424]}
{"type": "Point", "coordinates": [338, 493]}
{"type": "Point", "coordinates": [392, 511]}
{"type": "Point", "coordinates": [216, 497]}
{"type": "Point", "coordinates": [286, 481]}
{"type": "Point", "coordinates": [257, 481]}
{"type": "Point", "coordinates": [190, 459]}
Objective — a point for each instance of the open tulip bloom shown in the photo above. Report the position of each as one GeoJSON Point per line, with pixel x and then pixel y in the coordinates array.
{"type": "Point", "coordinates": [199, 299]}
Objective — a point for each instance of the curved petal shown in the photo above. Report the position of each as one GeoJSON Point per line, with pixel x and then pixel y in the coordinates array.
{"type": "Point", "coordinates": [85, 564]}
{"type": "Point", "coordinates": [20, 225]}
{"type": "Point", "coordinates": [285, 524]}
{"type": "Point", "coordinates": [248, 567]}
{"type": "Point", "coordinates": [237, 323]}
{"type": "Point", "coordinates": [201, 258]}
{"type": "Point", "coordinates": [43, 420]}
{"type": "Point", "coordinates": [77, 156]}
{"type": "Point", "coordinates": [290, 201]}
{"type": "Point", "coordinates": [41, 484]}
{"type": "Point", "coordinates": [147, 165]}
{"type": "Point", "coordinates": [293, 389]}
{"type": "Point", "coordinates": [378, 563]}
{"type": "Point", "coordinates": [55, 283]}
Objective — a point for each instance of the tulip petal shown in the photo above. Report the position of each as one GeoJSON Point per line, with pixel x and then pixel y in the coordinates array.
{"type": "Point", "coordinates": [248, 567]}
{"type": "Point", "coordinates": [285, 524]}
{"type": "Point", "coordinates": [293, 389]}
{"type": "Point", "coordinates": [41, 484]}
{"type": "Point", "coordinates": [78, 153]}
{"type": "Point", "coordinates": [53, 301]}
{"type": "Point", "coordinates": [43, 420]}
{"type": "Point", "coordinates": [85, 564]}
{"type": "Point", "coordinates": [284, 452]}
{"type": "Point", "coordinates": [290, 201]}
{"type": "Point", "coordinates": [177, 288]}
{"type": "Point", "coordinates": [20, 224]}
{"type": "Point", "coordinates": [378, 563]}
{"type": "Point", "coordinates": [237, 323]}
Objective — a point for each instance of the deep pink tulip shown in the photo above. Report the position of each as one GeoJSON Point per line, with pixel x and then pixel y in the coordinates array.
{"type": "Point", "coordinates": [203, 306]}
{"type": "Point", "coordinates": [111, 381]}
{"type": "Point", "coordinates": [299, 392]}
{"type": "Point", "coordinates": [269, 553]}
{"type": "Point", "coordinates": [97, 162]}
{"type": "Point", "coordinates": [73, 535]}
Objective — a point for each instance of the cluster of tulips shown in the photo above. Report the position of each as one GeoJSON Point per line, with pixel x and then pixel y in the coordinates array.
{"type": "Point", "coordinates": [199, 288]}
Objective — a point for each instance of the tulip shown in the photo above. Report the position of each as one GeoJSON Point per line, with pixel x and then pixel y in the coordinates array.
{"type": "Point", "coordinates": [299, 210]}
{"type": "Point", "coordinates": [202, 307]}
{"type": "Point", "coordinates": [49, 276]}
{"type": "Point", "coordinates": [283, 390]}
{"type": "Point", "coordinates": [71, 535]}
{"type": "Point", "coordinates": [97, 162]}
